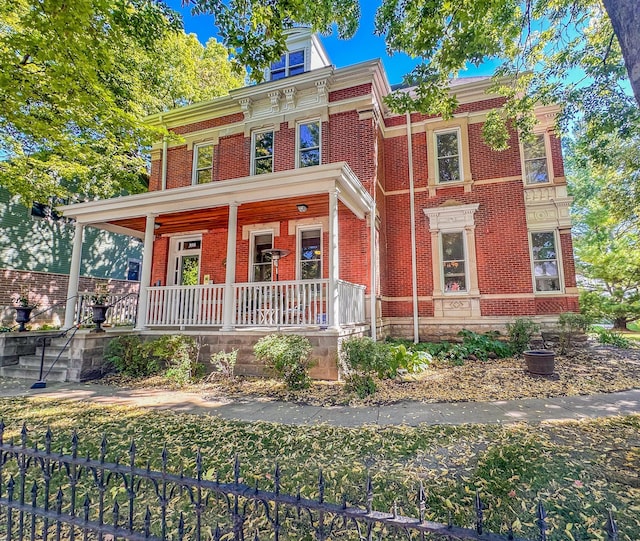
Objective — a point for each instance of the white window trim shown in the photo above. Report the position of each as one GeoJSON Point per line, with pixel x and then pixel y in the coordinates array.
{"type": "Point", "coordinates": [299, 231]}
{"type": "Point", "coordinates": [194, 168]}
{"type": "Point", "coordinates": [252, 247]}
{"type": "Point", "coordinates": [559, 262]}
{"type": "Point", "coordinates": [298, 149]}
{"type": "Point", "coordinates": [173, 254]}
{"type": "Point", "coordinates": [458, 133]}
{"type": "Point", "coordinates": [547, 155]}
{"type": "Point", "coordinates": [466, 263]}
{"type": "Point", "coordinates": [253, 149]}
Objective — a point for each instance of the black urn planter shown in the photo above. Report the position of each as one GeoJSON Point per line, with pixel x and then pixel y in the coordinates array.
{"type": "Point", "coordinates": [541, 361]}
{"type": "Point", "coordinates": [99, 316]}
{"type": "Point", "coordinates": [23, 315]}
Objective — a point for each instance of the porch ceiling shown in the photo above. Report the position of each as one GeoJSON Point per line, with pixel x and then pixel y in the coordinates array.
{"type": "Point", "coordinates": [206, 206]}
{"type": "Point", "coordinates": [218, 217]}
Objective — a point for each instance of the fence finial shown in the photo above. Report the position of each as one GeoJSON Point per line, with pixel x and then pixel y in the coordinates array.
{"type": "Point", "coordinates": [542, 521]}
{"type": "Point", "coordinates": [479, 514]}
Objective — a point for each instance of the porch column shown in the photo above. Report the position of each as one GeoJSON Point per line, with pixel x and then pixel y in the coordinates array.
{"type": "Point", "coordinates": [74, 277]}
{"type": "Point", "coordinates": [145, 274]}
{"type": "Point", "coordinates": [230, 276]}
{"type": "Point", "coordinates": [334, 262]}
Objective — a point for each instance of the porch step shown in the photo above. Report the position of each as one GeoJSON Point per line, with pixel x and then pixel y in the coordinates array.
{"type": "Point", "coordinates": [28, 366]}
{"type": "Point", "coordinates": [16, 371]}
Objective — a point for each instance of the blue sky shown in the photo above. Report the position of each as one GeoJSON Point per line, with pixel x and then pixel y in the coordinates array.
{"type": "Point", "coordinates": [363, 46]}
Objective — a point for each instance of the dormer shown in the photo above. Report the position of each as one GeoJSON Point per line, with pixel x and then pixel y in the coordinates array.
{"type": "Point", "coordinates": [304, 53]}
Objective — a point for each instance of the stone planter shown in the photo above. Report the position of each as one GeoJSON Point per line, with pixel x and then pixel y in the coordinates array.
{"type": "Point", "coordinates": [23, 315]}
{"type": "Point", "coordinates": [99, 316]}
{"type": "Point", "coordinates": [541, 361]}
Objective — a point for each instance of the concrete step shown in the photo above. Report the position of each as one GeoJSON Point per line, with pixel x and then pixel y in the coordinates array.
{"type": "Point", "coordinates": [52, 350]}
{"type": "Point", "coordinates": [20, 372]}
{"type": "Point", "coordinates": [31, 361]}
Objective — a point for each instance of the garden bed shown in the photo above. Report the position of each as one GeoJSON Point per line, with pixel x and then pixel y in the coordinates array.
{"type": "Point", "coordinates": [588, 369]}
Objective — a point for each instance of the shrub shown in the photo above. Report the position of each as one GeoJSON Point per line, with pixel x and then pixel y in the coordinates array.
{"type": "Point", "coordinates": [130, 357]}
{"type": "Point", "coordinates": [606, 336]}
{"type": "Point", "coordinates": [483, 345]}
{"type": "Point", "coordinates": [224, 363]}
{"type": "Point", "coordinates": [520, 333]}
{"type": "Point", "coordinates": [569, 324]}
{"type": "Point", "coordinates": [362, 358]}
{"type": "Point", "coordinates": [288, 357]}
{"type": "Point", "coordinates": [179, 354]}
{"type": "Point", "coordinates": [413, 361]}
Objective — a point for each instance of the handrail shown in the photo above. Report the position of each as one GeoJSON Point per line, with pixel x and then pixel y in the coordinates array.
{"type": "Point", "coordinates": [42, 383]}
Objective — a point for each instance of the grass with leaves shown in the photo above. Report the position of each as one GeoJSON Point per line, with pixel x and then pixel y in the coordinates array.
{"type": "Point", "coordinates": [579, 469]}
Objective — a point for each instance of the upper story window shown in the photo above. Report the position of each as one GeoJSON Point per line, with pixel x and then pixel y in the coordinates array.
{"type": "Point", "coordinates": [448, 156]}
{"type": "Point", "coordinates": [203, 164]}
{"type": "Point", "coordinates": [291, 63]}
{"type": "Point", "coordinates": [453, 262]}
{"type": "Point", "coordinates": [310, 254]}
{"type": "Point", "coordinates": [536, 169]}
{"type": "Point", "coordinates": [309, 144]}
{"type": "Point", "coordinates": [262, 158]}
{"type": "Point", "coordinates": [545, 261]}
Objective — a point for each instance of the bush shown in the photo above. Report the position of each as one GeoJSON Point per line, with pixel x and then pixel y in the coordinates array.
{"type": "Point", "coordinates": [483, 346]}
{"type": "Point", "coordinates": [606, 336]}
{"type": "Point", "coordinates": [520, 333]}
{"type": "Point", "coordinates": [413, 361]}
{"type": "Point", "coordinates": [179, 354]}
{"type": "Point", "coordinates": [288, 357]}
{"type": "Point", "coordinates": [569, 324]}
{"type": "Point", "coordinates": [130, 357]}
{"type": "Point", "coordinates": [224, 363]}
{"type": "Point", "coordinates": [364, 358]}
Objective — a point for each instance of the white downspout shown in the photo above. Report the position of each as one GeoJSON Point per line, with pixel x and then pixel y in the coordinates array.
{"type": "Point", "coordinates": [372, 289]}
{"type": "Point", "coordinates": [165, 150]}
{"type": "Point", "coordinates": [412, 214]}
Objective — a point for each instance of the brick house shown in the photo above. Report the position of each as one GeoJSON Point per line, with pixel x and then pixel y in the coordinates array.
{"type": "Point", "coordinates": [304, 203]}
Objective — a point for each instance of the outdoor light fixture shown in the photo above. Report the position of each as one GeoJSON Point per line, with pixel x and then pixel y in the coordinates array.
{"type": "Point", "coordinates": [302, 207]}
{"type": "Point", "coordinates": [157, 225]}
{"type": "Point", "coordinates": [276, 255]}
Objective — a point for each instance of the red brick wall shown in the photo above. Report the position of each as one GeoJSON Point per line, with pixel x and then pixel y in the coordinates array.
{"type": "Point", "coordinates": [569, 267]}
{"type": "Point", "coordinates": [233, 157]}
{"type": "Point", "coordinates": [159, 267]}
{"type": "Point", "coordinates": [487, 163]}
{"type": "Point", "coordinates": [210, 123]}
{"type": "Point", "coordinates": [179, 165]}
{"type": "Point", "coordinates": [556, 156]}
{"type": "Point", "coordinates": [353, 92]}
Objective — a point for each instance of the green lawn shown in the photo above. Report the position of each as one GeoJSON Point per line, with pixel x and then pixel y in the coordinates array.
{"type": "Point", "coordinates": [579, 469]}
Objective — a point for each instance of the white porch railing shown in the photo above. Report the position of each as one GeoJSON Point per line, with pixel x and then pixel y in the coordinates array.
{"type": "Point", "coordinates": [187, 306]}
{"type": "Point", "coordinates": [351, 303]}
{"type": "Point", "coordinates": [296, 303]}
{"type": "Point", "coordinates": [274, 304]}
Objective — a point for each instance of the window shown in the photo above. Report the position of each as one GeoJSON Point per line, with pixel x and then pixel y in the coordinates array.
{"type": "Point", "coordinates": [262, 152]}
{"type": "Point", "coordinates": [310, 254]}
{"type": "Point", "coordinates": [448, 156]}
{"type": "Point", "coordinates": [203, 164]}
{"type": "Point", "coordinates": [261, 262]}
{"type": "Point", "coordinates": [133, 270]}
{"type": "Point", "coordinates": [289, 64]}
{"type": "Point", "coordinates": [453, 262]}
{"type": "Point", "coordinates": [536, 170]}
{"type": "Point", "coordinates": [309, 144]}
{"type": "Point", "coordinates": [545, 261]}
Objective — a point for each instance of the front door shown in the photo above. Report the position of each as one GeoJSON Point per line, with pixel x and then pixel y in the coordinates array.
{"type": "Point", "coordinates": [185, 269]}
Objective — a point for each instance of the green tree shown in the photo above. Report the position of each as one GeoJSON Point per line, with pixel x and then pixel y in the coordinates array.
{"type": "Point", "coordinates": [77, 79]}
{"type": "Point", "coordinates": [607, 239]}
{"type": "Point", "coordinates": [540, 45]}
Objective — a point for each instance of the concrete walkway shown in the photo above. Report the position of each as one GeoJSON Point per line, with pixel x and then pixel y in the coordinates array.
{"type": "Point", "coordinates": [404, 413]}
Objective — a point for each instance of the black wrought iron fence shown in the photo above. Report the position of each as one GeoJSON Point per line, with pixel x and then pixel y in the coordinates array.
{"type": "Point", "coordinates": [46, 494]}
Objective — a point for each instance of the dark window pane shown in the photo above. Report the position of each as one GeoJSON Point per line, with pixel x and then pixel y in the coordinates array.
{"type": "Point", "coordinates": [296, 70]}
{"type": "Point", "coordinates": [447, 144]}
{"type": "Point", "coordinates": [455, 283]}
{"type": "Point", "coordinates": [205, 156]}
{"type": "Point", "coordinates": [536, 171]}
{"type": "Point", "coordinates": [309, 135]}
{"type": "Point", "coordinates": [278, 64]}
{"type": "Point", "coordinates": [534, 148]}
{"type": "Point", "coordinates": [203, 176]}
{"type": "Point", "coordinates": [264, 143]}
{"type": "Point", "coordinates": [277, 75]}
{"type": "Point", "coordinates": [448, 169]}
{"type": "Point", "coordinates": [452, 246]}
{"type": "Point", "coordinates": [264, 165]}
{"type": "Point", "coordinates": [309, 157]}
{"type": "Point", "coordinates": [296, 58]}
{"type": "Point", "coordinates": [544, 246]}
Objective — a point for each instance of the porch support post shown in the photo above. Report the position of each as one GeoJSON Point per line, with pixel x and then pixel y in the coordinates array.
{"type": "Point", "coordinates": [334, 262]}
{"type": "Point", "coordinates": [374, 280]}
{"type": "Point", "coordinates": [145, 274]}
{"type": "Point", "coordinates": [74, 277]}
{"type": "Point", "coordinates": [230, 277]}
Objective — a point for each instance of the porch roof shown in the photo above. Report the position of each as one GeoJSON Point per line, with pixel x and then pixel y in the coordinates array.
{"type": "Point", "coordinates": [116, 214]}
